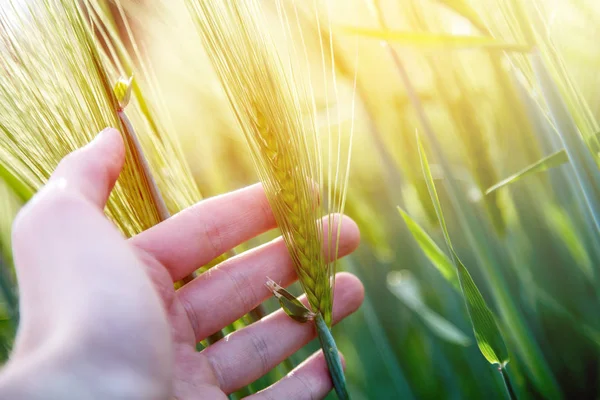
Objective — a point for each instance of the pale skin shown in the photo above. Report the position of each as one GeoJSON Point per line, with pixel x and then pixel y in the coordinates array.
{"type": "Point", "coordinates": [100, 318]}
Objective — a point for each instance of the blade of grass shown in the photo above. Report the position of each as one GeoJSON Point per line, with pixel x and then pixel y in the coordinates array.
{"type": "Point", "coordinates": [488, 336]}
{"type": "Point", "coordinates": [553, 160]}
{"type": "Point", "coordinates": [566, 230]}
{"type": "Point", "coordinates": [586, 168]}
{"type": "Point", "coordinates": [431, 250]}
{"type": "Point", "coordinates": [436, 40]}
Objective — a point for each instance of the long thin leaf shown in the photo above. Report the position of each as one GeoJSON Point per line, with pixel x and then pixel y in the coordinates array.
{"type": "Point", "coordinates": [438, 258]}
{"type": "Point", "coordinates": [436, 40]}
{"type": "Point", "coordinates": [551, 161]}
{"type": "Point", "coordinates": [432, 191]}
{"type": "Point", "coordinates": [486, 254]}
{"type": "Point", "coordinates": [488, 336]}
{"type": "Point", "coordinates": [565, 229]}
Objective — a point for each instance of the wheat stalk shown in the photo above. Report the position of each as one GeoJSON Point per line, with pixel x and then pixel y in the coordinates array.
{"type": "Point", "coordinates": [56, 92]}
{"type": "Point", "coordinates": [278, 135]}
{"type": "Point", "coordinates": [277, 114]}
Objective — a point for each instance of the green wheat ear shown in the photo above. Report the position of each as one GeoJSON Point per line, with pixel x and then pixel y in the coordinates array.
{"type": "Point", "coordinates": [280, 129]}
{"type": "Point", "coordinates": [279, 123]}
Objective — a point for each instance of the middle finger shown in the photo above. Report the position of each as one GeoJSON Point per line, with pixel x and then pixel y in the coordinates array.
{"type": "Point", "coordinates": [233, 288]}
{"type": "Point", "coordinates": [246, 355]}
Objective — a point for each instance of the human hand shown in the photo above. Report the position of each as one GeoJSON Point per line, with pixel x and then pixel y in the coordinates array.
{"type": "Point", "coordinates": [100, 318]}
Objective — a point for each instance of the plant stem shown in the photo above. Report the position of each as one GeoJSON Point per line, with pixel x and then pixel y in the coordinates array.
{"type": "Point", "coordinates": [215, 337]}
{"type": "Point", "coordinates": [257, 313]}
{"type": "Point", "coordinates": [509, 389]}
{"type": "Point", "coordinates": [157, 198]}
{"type": "Point", "coordinates": [332, 358]}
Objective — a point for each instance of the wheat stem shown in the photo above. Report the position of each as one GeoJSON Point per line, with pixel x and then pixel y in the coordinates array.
{"type": "Point", "coordinates": [509, 389]}
{"type": "Point", "coordinates": [332, 357]}
{"type": "Point", "coordinates": [138, 154]}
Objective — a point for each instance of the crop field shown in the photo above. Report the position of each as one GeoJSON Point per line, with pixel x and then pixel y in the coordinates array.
{"type": "Point", "coordinates": [462, 136]}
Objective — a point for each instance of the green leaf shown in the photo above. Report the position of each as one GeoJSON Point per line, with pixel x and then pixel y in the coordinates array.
{"type": "Point", "coordinates": [18, 186]}
{"type": "Point", "coordinates": [488, 336]}
{"type": "Point", "coordinates": [290, 304]}
{"type": "Point", "coordinates": [551, 161]}
{"type": "Point", "coordinates": [436, 40]}
{"type": "Point", "coordinates": [432, 191]}
{"type": "Point", "coordinates": [438, 258]}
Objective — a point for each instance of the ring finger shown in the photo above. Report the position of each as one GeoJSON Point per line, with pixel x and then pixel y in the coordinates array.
{"type": "Point", "coordinates": [232, 289]}
{"type": "Point", "coordinates": [246, 355]}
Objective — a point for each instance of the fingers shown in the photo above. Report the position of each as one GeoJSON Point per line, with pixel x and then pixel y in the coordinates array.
{"type": "Point", "coordinates": [247, 354]}
{"type": "Point", "coordinates": [309, 380]}
{"type": "Point", "coordinates": [92, 170]}
{"type": "Point", "coordinates": [195, 236]}
{"type": "Point", "coordinates": [233, 288]}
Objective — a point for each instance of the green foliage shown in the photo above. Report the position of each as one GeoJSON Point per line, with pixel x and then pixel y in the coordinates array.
{"type": "Point", "coordinates": [290, 304]}
{"type": "Point", "coordinates": [488, 336]}
{"type": "Point", "coordinates": [553, 160]}
{"type": "Point", "coordinates": [438, 258]}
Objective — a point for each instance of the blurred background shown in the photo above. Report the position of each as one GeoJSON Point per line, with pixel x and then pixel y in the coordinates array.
{"type": "Point", "coordinates": [484, 114]}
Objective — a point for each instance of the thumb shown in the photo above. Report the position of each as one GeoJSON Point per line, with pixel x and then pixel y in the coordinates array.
{"type": "Point", "coordinates": [93, 170]}
{"type": "Point", "coordinates": [62, 243]}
